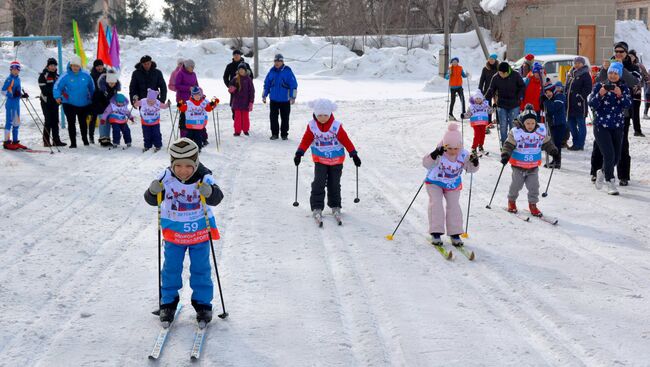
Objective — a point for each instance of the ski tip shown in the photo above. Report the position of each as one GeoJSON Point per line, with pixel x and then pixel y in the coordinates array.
{"type": "Point", "coordinates": [389, 237]}
{"type": "Point", "coordinates": [152, 358]}
{"type": "Point", "coordinates": [472, 256]}
{"type": "Point", "coordinates": [450, 255]}
{"type": "Point", "coordinates": [202, 324]}
{"type": "Point", "coordinates": [465, 235]}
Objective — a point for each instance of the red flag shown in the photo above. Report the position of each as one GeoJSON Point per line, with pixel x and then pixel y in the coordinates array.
{"type": "Point", "coordinates": [102, 47]}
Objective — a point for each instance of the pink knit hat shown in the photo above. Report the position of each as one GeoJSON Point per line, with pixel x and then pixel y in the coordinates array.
{"type": "Point", "coordinates": [452, 137]}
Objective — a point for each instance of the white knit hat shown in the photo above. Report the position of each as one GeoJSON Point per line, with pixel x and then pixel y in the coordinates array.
{"type": "Point", "coordinates": [112, 76]}
{"type": "Point", "coordinates": [322, 106]}
{"type": "Point", "coordinates": [184, 151]}
{"type": "Point", "coordinates": [75, 60]}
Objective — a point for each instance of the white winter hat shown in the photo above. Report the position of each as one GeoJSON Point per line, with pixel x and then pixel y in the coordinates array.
{"type": "Point", "coordinates": [322, 106]}
{"type": "Point", "coordinates": [75, 60]}
{"type": "Point", "coordinates": [185, 151]}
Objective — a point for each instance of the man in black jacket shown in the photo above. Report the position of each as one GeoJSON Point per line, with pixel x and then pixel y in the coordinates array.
{"type": "Point", "coordinates": [96, 110]}
{"type": "Point", "coordinates": [578, 87]}
{"type": "Point", "coordinates": [509, 88]}
{"type": "Point", "coordinates": [147, 76]}
{"type": "Point", "coordinates": [231, 71]}
{"type": "Point", "coordinates": [46, 81]}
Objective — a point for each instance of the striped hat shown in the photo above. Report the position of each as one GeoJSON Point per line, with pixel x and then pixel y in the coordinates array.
{"type": "Point", "coordinates": [15, 65]}
{"type": "Point", "coordinates": [184, 151]}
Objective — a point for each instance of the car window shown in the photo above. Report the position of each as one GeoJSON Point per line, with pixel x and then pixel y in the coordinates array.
{"type": "Point", "coordinates": [551, 67]}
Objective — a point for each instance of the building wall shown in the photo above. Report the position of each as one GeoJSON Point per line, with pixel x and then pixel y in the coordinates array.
{"type": "Point", "coordinates": [560, 20]}
{"type": "Point", "coordinates": [633, 9]}
{"type": "Point", "coordinates": [6, 20]}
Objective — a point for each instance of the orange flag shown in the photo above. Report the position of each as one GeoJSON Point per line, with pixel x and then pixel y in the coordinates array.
{"type": "Point", "coordinates": [102, 47]}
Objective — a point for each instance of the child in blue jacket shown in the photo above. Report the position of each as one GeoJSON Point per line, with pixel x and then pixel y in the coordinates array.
{"type": "Point", "coordinates": [13, 92]}
{"type": "Point", "coordinates": [555, 107]}
{"type": "Point", "coordinates": [184, 227]}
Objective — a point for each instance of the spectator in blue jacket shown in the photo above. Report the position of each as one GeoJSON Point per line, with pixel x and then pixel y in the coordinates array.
{"type": "Point", "coordinates": [609, 101]}
{"type": "Point", "coordinates": [74, 90]}
{"type": "Point", "coordinates": [555, 107]}
{"type": "Point", "coordinates": [281, 86]}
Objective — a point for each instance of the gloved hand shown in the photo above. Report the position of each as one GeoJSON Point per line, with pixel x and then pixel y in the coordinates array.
{"type": "Point", "coordinates": [212, 104]}
{"type": "Point", "coordinates": [355, 158]}
{"type": "Point", "coordinates": [438, 152]}
{"type": "Point", "coordinates": [25, 95]}
{"type": "Point", "coordinates": [156, 187]}
{"type": "Point", "coordinates": [205, 190]}
{"type": "Point", "coordinates": [505, 157]}
{"type": "Point", "coordinates": [250, 107]}
{"type": "Point", "coordinates": [298, 157]}
{"type": "Point", "coordinates": [474, 159]}
{"type": "Point", "coordinates": [102, 122]}
{"type": "Point", "coordinates": [292, 101]}
{"type": "Point", "coordinates": [180, 104]}
{"type": "Point", "coordinates": [264, 100]}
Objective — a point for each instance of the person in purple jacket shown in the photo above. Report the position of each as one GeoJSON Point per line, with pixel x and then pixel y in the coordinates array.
{"type": "Point", "coordinates": [243, 95]}
{"type": "Point", "coordinates": [184, 81]}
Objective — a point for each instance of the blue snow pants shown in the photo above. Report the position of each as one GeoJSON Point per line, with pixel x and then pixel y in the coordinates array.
{"type": "Point", "coordinates": [200, 272]}
{"type": "Point", "coordinates": [12, 123]}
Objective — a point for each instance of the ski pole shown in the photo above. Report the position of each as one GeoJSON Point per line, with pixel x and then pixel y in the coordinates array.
{"type": "Point", "coordinates": [36, 123]}
{"type": "Point", "coordinates": [469, 203]}
{"type": "Point", "coordinates": [159, 199]}
{"type": "Point", "coordinates": [295, 203]}
{"type": "Point", "coordinates": [356, 200]}
{"type": "Point", "coordinates": [40, 120]}
{"type": "Point", "coordinates": [216, 135]}
{"type": "Point", "coordinates": [390, 236]}
{"type": "Point", "coordinates": [545, 193]}
{"type": "Point", "coordinates": [172, 132]}
{"type": "Point", "coordinates": [489, 206]}
{"type": "Point", "coordinates": [214, 257]}
{"type": "Point", "coordinates": [218, 128]}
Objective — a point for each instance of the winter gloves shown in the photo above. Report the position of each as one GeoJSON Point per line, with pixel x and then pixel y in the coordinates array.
{"type": "Point", "coordinates": [355, 158]}
{"type": "Point", "coordinates": [505, 157]}
{"type": "Point", "coordinates": [473, 158]}
{"type": "Point", "coordinates": [156, 187]}
{"type": "Point", "coordinates": [205, 190]}
{"type": "Point", "coordinates": [438, 152]}
{"type": "Point", "coordinates": [180, 104]}
{"type": "Point", "coordinates": [298, 157]}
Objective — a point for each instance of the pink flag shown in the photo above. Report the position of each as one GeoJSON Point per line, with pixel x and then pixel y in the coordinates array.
{"type": "Point", "coordinates": [115, 48]}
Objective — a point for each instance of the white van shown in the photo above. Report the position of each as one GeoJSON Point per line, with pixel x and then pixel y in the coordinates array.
{"type": "Point", "coordinates": [551, 64]}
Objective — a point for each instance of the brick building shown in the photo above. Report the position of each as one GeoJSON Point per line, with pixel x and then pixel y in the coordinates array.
{"type": "Point", "coordinates": [633, 9]}
{"type": "Point", "coordinates": [584, 27]}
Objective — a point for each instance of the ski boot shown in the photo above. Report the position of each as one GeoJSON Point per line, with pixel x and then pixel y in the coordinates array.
{"type": "Point", "coordinates": [512, 206]}
{"type": "Point", "coordinates": [236, 134]}
{"type": "Point", "coordinates": [274, 137]}
{"type": "Point", "coordinates": [7, 144]}
{"type": "Point", "coordinates": [600, 179]}
{"type": "Point", "coordinates": [59, 143]}
{"type": "Point", "coordinates": [534, 210]}
{"type": "Point", "coordinates": [156, 149]}
{"type": "Point", "coordinates": [456, 241]}
{"type": "Point", "coordinates": [167, 312]}
{"type": "Point", "coordinates": [17, 145]}
{"type": "Point", "coordinates": [452, 118]}
{"type": "Point", "coordinates": [145, 149]}
{"type": "Point", "coordinates": [246, 133]}
{"type": "Point", "coordinates": [480, 149]}
{"type": "Point", "coordinates": [318, 216]}
{"type": "Point", "coordinates": [336, 212]}
{"type": "Point", "coordinates": [128, 145]}
{"type": "Point", "coordinates": [435, 239]}
{"type": "Point", "coordinates": [623, 182]}
{"type": "Point", "coordinates": [203, 313]}
{"type": "Point", "coordinates": [474, 152]}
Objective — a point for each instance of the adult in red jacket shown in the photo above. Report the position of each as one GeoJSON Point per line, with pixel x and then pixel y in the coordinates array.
{"type": "Point", "coordinates": [533, 93]}
{"type": "Point", "coordinates": [327, 138]}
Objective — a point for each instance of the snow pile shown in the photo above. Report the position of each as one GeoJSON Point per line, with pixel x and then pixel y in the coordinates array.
{"type": "Point", "coordinates": [636, 34]}
{"type": "Point", "coordinates": [313, 56]}
{"type": "Point", "coordinates": [493, 6]}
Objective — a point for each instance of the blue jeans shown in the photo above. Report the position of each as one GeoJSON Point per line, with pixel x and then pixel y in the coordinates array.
{"type": "Point", "coordinates": [506, 118]}
{"type": "Point", "coordinates": [610, 143]}
{"type": "Point", "coordinates": [578, 130]}
{"type": "Point", "coordinates": [200, 272]}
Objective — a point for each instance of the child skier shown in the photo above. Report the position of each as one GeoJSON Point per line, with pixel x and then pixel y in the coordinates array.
{"type": "Point", "coordinates": [555, 107]}
{"type": "Point", "coordinates": [150, 119]}
{"type": "Point", "coordinates": [196, 114]}
{"type": "Point", "coordinates": [455, 76]}
{"type": "Point", "coordinates": [533, 92]}
{"type": "Point", "coordinates": [523, 149]}
{"type": "Point", "coordinates": [243, 96]}
{"type": "Point", "coordinates": [446, 164]}
{"type": "Point", "coordinates": [479, 119]}
{"type": "Point", "coordinates": [13, 92]}
{"type": "Point", "coordinates": [118, 114]}
{"type": "Point", "coordinates": [327, 138]}
{"type": "Point", "coordinates": [183, 223]}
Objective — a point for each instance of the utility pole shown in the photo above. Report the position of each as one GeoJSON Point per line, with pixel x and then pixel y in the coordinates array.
{"type": "Point", "coordinates": [256, 58]}
{"type": "Point", "coordinates": [447, 38]}
{"type": "Point", "coordinates": [479, 34]}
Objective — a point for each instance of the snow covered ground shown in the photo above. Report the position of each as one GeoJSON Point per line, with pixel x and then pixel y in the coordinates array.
{"type": "Point", "coordinates": [78, 270]}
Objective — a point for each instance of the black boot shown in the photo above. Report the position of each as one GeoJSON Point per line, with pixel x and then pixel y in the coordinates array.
{"type": "Point", "coordinates": [203, 312]}
{"type": "Point", "coordinates": [167, 312]}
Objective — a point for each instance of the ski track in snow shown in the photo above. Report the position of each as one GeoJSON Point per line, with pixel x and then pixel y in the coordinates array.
{"type": "Point", "coordinates": [78, 275]}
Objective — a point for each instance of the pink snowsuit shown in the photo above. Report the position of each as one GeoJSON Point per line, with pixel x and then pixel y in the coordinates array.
{"type": "Point", "coordinates": [454, 215]}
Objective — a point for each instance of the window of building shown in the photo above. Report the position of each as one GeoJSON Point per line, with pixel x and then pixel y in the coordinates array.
{"type": "Point", "coordinates": [643, 15]}
{"type": "Point", "coordinates": [631, 13]}
{"type": "Point", "coordinates": [620, 14]}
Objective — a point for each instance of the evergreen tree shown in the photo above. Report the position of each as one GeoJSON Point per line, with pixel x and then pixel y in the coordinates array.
{"type": "Point", "coordinates": [188, 17]}
{"type": "Point", "coordinates": [138, 18]}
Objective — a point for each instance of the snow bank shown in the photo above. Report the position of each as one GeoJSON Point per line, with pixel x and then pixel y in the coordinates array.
{"type": "Point", "coordinates": [313, 56]}
{"type": "Point", "coordinates": [493, 6]}
{"type": "Point", "coordinates": [637, 36]}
